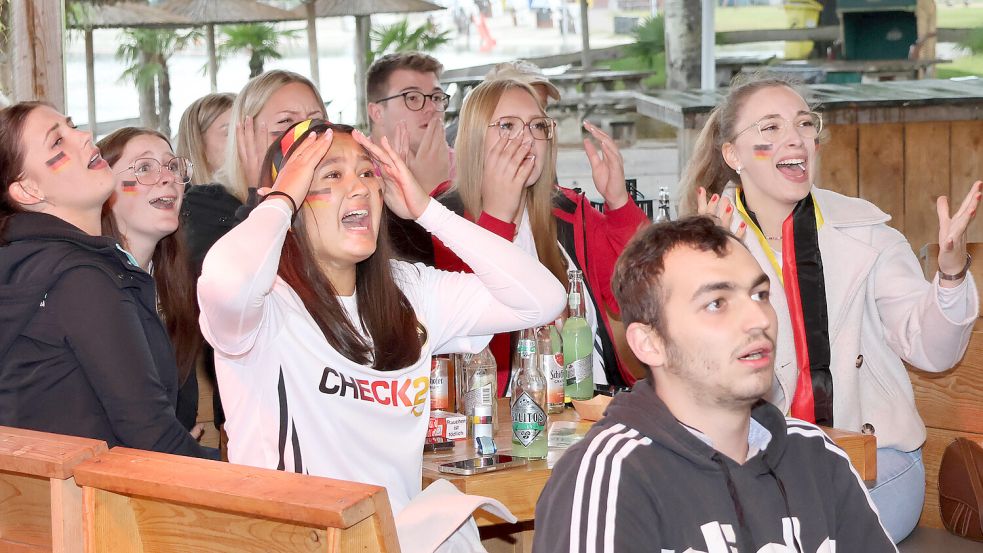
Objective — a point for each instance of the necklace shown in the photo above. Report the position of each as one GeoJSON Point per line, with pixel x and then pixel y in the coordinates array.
{"type": "Point", "coordinates": [772, 237]}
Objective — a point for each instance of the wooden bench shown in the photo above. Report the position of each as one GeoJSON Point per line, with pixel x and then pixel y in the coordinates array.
{"type": "Point", "coordinates": [40, 505]}
{"type": "Point", "coordinates": [950, 403]}
{"type": "Point", "coordinates": [138, 501]}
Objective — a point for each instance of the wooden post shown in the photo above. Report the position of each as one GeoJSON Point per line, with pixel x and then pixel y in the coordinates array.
{"type": "Point", "coordinates": [312, 42]}
{"type": "Point", "coordinates": [90, 82]}
{"type": "Point", "coordinates": [584, 38]}
{"type": "Point", "coordinates": [212, 58]}
{"type": "Point", "coordinates": [362, 25]}
{"type": "Point", "coordinates": [37, 30]}
{"type": "Point", "coordinates": [683, 28]}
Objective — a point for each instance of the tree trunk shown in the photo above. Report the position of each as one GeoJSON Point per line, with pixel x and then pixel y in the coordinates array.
{"type": "Point", "coordinates": [6, 71]}
{"type": "Point", "coordinates": [683, 29]}
{"type": "Point", "coordinates": [164, 97]}
{"type": "Point", "coordinates": [255, 65]}
{"type": "Point", "coordinates": [148, 101]}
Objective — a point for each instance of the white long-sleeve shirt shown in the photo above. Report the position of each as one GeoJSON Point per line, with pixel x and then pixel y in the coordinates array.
{"type": "Point", "coordinates": [292, 402]}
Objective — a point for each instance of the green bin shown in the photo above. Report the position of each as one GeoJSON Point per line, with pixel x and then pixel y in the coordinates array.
{"type": "Point", "coordinates": [801, 14]}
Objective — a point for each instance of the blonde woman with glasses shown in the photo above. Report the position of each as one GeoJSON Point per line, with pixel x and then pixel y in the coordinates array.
{"type": "Point", "coordinates": [855, 303]}
{"type": "Point", "coordinates": [506, 182]}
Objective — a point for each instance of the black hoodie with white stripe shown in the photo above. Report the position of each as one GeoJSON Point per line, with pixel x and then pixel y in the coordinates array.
{"type": "Point", "coordinates": [641, 481]}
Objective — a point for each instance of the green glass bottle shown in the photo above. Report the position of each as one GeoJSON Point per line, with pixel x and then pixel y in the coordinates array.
{"type": "Point", "coordinates": [529, 402]}
{"type": "Point", "coordinates": [578, 343]}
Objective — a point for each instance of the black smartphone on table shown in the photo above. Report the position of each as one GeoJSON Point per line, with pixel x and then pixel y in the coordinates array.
{"type": "Point", "coordinates": [486, 463]}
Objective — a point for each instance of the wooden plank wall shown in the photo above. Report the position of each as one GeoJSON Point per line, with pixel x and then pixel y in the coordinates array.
{"type": "Point", "coordinates": [903, 168]}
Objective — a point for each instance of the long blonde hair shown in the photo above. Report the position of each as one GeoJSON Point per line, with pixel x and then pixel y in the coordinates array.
{"type": "Point", "coordinates": [469, 148]}
{"type": "Point", "coordinates": [249, 103]}
{"type": "Point", "coordinates": [706, 167]}
{"type": "Point", "coordinates": [191, 132]}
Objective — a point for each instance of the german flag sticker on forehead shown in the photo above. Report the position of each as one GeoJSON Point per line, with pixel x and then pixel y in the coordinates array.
{"type": "Point", "coordinates": [287, 141]}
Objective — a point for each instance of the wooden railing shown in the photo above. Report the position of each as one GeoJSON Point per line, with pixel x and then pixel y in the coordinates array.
{"type": "Point", "coordinates": [139, 501]}
{"type": "Point", "coordinates": [40, 505]}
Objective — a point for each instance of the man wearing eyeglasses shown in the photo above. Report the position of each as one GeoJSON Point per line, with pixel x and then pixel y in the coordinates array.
{"type": "Point", "coordinates": [407, 106]}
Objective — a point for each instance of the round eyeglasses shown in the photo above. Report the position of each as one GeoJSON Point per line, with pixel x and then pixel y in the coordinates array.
{"type": "Point", "coordinates": [772, 128]}
{"type": "Point", "coordinates": [541, 128]}
{"type": "Point", "coordinates": [415, 100]}
{"type": "Point", "coordinates": [147, 170]}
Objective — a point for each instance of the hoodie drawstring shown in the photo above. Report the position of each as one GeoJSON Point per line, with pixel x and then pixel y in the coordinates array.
{"type": "Point", "coordinates": [744, 538]}
{"type": "Point", "coordinates": [788, 509]}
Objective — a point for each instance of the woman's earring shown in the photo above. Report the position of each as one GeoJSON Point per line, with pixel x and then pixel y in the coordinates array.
{"type": "Point", "coordinates": [739, 169]}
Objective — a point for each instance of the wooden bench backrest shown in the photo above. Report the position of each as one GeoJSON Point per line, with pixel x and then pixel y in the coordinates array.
{"type": "Point", "coordinates": [138, 501]}
{"type": "Point", "coordinates": [40, 505]}
{"type": "Point", "coordinates": [950, 403]}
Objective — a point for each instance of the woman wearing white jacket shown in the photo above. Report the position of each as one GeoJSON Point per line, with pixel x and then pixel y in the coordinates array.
{"type": "Point", "coordinates": [855, 302]}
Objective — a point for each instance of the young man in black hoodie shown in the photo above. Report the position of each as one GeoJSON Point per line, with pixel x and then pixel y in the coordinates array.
{"type": "Point", "coordinates": [692, 459]}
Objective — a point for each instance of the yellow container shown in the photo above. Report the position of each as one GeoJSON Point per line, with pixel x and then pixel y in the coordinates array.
{"type": "Point", "coordinates": [801, 14]}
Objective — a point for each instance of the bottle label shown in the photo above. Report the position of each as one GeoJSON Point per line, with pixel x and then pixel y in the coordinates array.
{"type": "Point", "coordinates": [574, 300]}
{"type": "Point", "coordinates": [555, 377]}
{"type": "Point", "coordinates": [439, 393]}
{"type": "Point", "coordinates": [526, 348]}
{"type": "Point", "coordinates": [477, 397]}
{"type": "Point", "coordinates": [528, 419]}
{"type": "Point", "coordinates": [579, 370]}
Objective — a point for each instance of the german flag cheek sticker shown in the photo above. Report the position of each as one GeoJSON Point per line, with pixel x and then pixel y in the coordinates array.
{"type": "Point", "coordinates": [318, 198]}
{"type": "Point", "coordinates": [129, 187]}
{"type": "Point", "coordinates": [58, 162]}
{"type": "Point", "coordinates": [762, 151]}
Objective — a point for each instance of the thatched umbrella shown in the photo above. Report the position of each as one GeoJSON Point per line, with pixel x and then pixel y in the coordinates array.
{"type": "Point", "coordinates": [106, 15]}
{"type": "Point", "coordinates": [361, 10]}
{"type": "Point", "coordinates": [224, 12]}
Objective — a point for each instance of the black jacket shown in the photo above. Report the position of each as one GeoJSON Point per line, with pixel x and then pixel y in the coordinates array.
{"type": "Point", "coordinates": [640, 481]}
{"type": "Point", "coordinates": [82, 349]}
{"type": "Point", "coordinates": [208, 211]}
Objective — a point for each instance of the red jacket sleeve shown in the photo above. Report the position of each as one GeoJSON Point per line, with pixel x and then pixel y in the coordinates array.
{"type": "Point", "coordinates": [608, 233]}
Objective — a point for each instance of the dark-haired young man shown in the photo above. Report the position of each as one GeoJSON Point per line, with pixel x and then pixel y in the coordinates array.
{"type": "Point", "coordinates": [692, 459]}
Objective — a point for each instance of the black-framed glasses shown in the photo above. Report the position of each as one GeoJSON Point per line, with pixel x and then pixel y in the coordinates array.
{"type": "Point", "coordinates": [510, 127]}
{"type": "Point", "coordinates": [147, 170]}
{"type": "Point", "coordinates": [415, 100]}
{"type": "Point", "coordinates": [772, 128]}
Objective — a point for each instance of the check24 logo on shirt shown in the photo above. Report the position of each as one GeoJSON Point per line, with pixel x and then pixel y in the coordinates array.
{"type": "Point", "coordinates": [397, 392]}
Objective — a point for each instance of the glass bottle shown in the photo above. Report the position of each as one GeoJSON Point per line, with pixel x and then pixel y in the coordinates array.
{"type": "Point", "coordinates": [578, 343]}
{"type": "Point", "coordinates": [529, 402]}
{"type": "Point", "coordinates": [548, 346]}
{"type": "Point", "coordinates": [480, 386]}
{"type": "Point", "coordinates": [662, 213]}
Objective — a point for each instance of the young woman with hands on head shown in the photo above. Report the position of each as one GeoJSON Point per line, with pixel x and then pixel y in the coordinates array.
{"type": "Point", "coordinates": [856, 303]}
{"type": "Point", "coordinates": [506, 182]}
{"type": "Point", "coordinates": [322, 341]}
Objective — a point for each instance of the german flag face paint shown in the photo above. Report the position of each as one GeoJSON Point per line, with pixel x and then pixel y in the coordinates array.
{"type": "Point", "coordinates": [762, 151]}
{"type": "Point", "coordinates": [129, 187]}
{"type": "Point", "coordinates": [58, 162]}
{"type": "Point", "coordinates": [318, 198]}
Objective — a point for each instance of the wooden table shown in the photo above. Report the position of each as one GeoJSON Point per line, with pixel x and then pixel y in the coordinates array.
{"type": "Point", "coordinates": [519, 488]}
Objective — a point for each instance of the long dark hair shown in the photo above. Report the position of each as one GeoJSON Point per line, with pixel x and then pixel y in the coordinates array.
{"type": "Point", "coordinates": [176, 283]}
{"type": "Point", "coordinates": [386, 315]}
{"type": "Point", "coordinates": [12, 120]}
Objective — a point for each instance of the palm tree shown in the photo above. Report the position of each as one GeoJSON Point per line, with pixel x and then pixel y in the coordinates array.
{"type": "Point", "coordinates": [260, 40]}
{"type": "Point", "coordinates": [399, 37]}
{"type": "Point", "coordinates": [147, 51]}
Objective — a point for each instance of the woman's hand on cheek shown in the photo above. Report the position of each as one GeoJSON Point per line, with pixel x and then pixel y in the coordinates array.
{"type": "Point", "coordinates": [504, 177]}
{"type": "Point", "coordinates": [401, 191]}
